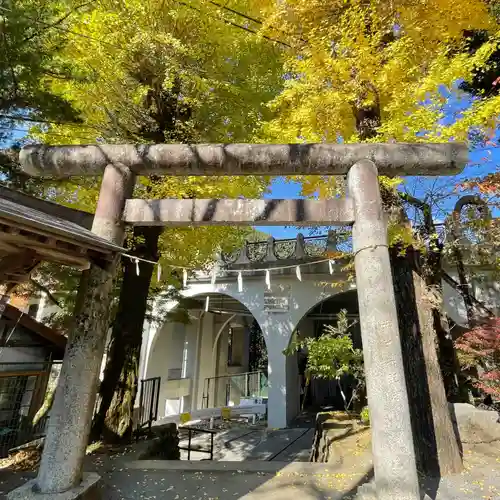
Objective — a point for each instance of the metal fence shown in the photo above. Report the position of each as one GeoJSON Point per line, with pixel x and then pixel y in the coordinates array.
{"type": "Point", "coordinates": [148, 403]}
{"type": "Point", "coordinates": [23, 389]}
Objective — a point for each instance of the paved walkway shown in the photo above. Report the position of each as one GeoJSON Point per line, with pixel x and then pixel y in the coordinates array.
{"type": "Point", "coordinates": [234, 445]}
{"type": "Point", "coordinates": [171, 485]}
{"type": "Point", "coordinates": [125, 478]}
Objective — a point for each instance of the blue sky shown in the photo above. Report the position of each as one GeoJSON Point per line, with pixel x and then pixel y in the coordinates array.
{"type": "Point", "coordinates": [481, 161]}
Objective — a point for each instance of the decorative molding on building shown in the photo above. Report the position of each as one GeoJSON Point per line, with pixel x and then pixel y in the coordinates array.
{"type": "Point", "coordinates": [300, 249]}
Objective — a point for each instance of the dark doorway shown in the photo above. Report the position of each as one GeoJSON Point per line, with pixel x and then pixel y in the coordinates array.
{"type": "Point", "coordinates": [323, 393]}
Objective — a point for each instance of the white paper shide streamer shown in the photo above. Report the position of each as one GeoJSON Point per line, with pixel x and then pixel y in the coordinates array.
{"type": "Point", "coordinates": [298, 273]}
{"type": "Point", "coordinates": [214, 277]}
{"type": "Point", "coordinates": [330, 266]}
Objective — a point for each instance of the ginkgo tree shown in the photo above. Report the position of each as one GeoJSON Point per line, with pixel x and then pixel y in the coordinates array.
{"type": "Point", "coordinates": [148, 72]}
{"type": "Point", "coordinates": [378, 71]}
{"type": "Point", "coordinates": [373, 70]}
{"type": "Point", "coordinates": [163, 72]}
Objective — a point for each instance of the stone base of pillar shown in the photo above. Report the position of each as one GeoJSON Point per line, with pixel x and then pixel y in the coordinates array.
{"type": "Point", "coordinates": [88, 489]}
{"type": "Point", "coordinates": [368, 491]}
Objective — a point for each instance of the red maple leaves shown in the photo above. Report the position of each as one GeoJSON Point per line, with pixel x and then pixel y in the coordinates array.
{"type": "Point", "coordinates": [481, 346]}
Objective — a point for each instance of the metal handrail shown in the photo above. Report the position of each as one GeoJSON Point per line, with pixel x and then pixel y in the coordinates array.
{"type": "Point", "coordinates": [148, 404]}
{"type": "Point", "coordinates": [230, 378]}
{"type": "Point", "coordinates": [192, 430]}
{"type": "Point", "coordinates": [235, 375]}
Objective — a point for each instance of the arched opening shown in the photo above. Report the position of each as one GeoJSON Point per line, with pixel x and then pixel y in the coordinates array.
{"type": "Point", "coordinates": [217, 358]}
{"type": "Point", "coordinates": [322, 393]}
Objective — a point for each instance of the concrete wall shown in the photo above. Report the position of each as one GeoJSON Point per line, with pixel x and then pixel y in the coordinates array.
{"type": "Point", "coordinates": [205, 361]}
{"type": "Point", "coordinates": [169, 361]}
{"type": "Point", "coordinates": [484, 288]}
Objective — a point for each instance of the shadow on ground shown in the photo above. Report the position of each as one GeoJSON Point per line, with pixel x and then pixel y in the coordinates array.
{"type": "Point", "coordinates": [254, 480]}
{"type": "Point", "coordinates": [127, 484]}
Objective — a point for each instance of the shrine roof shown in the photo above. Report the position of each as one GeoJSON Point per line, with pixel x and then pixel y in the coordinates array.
{"type": "Point", "coordinates": [32, 231]}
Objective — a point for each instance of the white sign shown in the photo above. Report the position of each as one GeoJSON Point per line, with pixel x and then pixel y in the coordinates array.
{"type": "Point", "coordinates": [277, 300]}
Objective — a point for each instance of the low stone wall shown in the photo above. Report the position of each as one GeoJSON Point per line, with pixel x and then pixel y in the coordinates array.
{"type": "Point", "coordinates": [165, 445]}
{"type": "Point", "coordinates": [474, 425]}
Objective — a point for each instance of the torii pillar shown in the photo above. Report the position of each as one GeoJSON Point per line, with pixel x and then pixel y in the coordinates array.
{"type": "Point", "coordinates": [393, 450]}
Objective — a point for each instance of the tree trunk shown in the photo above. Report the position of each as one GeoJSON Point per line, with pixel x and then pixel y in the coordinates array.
{"type": "Point", "coordinates": [431, 271]}
{"type": "Point", "coordinates": [118, 389]}
{"type": "Point", "coordinates": [455, 383]}
{"type": "Point", "coordinates": [436, 446]}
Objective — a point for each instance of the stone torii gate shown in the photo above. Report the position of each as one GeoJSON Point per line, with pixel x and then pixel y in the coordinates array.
{"type": "Point", "coordinates": [60, 475]}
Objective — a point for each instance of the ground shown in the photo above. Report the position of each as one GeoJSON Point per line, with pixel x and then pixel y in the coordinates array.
{"type": "Point", "coordinates": [127, 478]}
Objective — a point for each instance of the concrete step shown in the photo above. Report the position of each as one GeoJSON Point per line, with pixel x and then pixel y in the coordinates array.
{"type": "Point", "coordinates": [298, 451]}
{"type": "Point", "coordinates": [274, 443]}
{"type": "Point", "coordinates": [307, 468]}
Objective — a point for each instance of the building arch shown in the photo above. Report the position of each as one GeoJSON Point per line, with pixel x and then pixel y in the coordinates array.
{"type": "Point", "coordinates": [249, 298]}
{"type": "Point", "coordinates": [326, 310]}
{"type": "Point", "coordinates": [277, 328]}
{"type": "Point", "coordinates": [322, 392]}
{"type": "Point", "coordinates": [202, 355]}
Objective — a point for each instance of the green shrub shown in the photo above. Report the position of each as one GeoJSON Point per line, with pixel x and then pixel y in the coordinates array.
{"type": "Point", "coordinates": [332, 355]}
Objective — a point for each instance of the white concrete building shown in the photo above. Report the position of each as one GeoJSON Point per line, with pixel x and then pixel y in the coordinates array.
{"type": "Point", "coordinates": [185, 356]}
{"type": "Point", "coordinates": [198, 362]}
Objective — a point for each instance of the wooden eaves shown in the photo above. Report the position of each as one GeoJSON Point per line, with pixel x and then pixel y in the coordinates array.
{"type": "Point", "coordinates": [30, 235]}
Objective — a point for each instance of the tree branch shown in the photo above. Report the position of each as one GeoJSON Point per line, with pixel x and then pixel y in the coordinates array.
{"type": "Point", "coordinates": [57, 22]}
{"type": "Point", "coordinates": [424, 207]}
{"type": "Point", "coordinates": [45, 290]}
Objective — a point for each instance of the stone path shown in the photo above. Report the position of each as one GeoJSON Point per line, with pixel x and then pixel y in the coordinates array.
{"type": "Point", "coordinates": [235, 445]}
{"type": "Point", "coordinates": [125, 478]}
